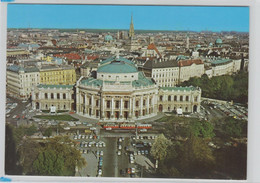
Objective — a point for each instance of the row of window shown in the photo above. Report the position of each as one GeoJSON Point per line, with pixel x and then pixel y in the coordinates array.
{"type": "Point", "coordinates": [58, 96]}
{"type": "Point", "coordinates": [182, 98]}
{"type": "Point", "coordinates": [117, 103]}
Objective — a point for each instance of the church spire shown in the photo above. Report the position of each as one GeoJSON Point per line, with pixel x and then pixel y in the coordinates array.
{"type": "Point", "coordinates": [131, 29]}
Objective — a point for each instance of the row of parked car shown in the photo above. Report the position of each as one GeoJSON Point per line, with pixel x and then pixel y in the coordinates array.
{"type": "Point", "coordinates": [92, 144]}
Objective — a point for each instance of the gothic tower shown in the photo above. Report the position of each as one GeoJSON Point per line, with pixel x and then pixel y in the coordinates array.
{"type": "Point", "coordinates": [131, 29]}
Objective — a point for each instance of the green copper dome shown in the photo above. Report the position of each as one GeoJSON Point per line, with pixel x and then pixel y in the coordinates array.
{"type": "Point", "coordinates": [108, 38]}
{"type": "Point", "coordinates": [117, 66]}
{"type": "Point", "coordinates": [218, 41]}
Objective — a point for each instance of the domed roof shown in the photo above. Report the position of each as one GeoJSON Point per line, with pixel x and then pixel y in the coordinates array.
{"type": "Point", "coordinates": [218, 41]}
{"type": "Point", "coordinates": [117, 66]}
{"type": "Point", "coordinates": [108, 38]}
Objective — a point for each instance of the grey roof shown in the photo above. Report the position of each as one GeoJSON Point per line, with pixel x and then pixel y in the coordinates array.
{"type": "Point", "coordinates": [186, 88]}
{"type": "Point", "coordinates": [157, 64]}
{"type": "Point", "coordinates": [93, 64]}
{"type": "Point", "coordinates": [55, 86]}
{"type": "Point", "coordinates": [16, 68]}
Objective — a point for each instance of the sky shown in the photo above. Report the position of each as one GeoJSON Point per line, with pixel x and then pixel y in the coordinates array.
{"type": "Point", "coordinates": [189, 18]}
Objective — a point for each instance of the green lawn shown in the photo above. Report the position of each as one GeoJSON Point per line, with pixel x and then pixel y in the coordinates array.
{"type": "Point", "coordinates": [57, 117]}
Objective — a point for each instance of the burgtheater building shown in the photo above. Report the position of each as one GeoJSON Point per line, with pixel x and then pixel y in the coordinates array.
{"type": "Point", "coordinates": [117, 92]}
{"type": "Point", "coordinates": [120, 92]}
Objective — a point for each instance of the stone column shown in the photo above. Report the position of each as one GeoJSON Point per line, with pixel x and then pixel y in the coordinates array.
{"type": "Point", "coordinates": [142, 98]}
{"type": "Point", "coordinates": [130, 108]}
{"type": "Point", "coordinates": [134, 106]}
{"type": "Point", "coordinates": [103, 108]}
{"type": "Point", "coordinates": [148, 105]}
{"type": "Point", "coordinates": [121, 108]}
{"type": "Point", "coordinates": [61, 95]}
{"type": "Point", "coordinates": [113, 106]}
{"type": "Point", "coordinates": [92, 105]}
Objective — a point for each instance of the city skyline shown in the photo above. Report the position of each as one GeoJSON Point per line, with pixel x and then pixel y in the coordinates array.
{"type": "Point", "coordinates": [168, 18]}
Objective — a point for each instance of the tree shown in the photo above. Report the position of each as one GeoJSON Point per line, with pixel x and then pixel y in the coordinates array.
{"type": "Point", "coordinates": [48, 132]}
{"type": "Point", "coordinates": [196, 158]}
{"type": "Point", "coordinates": [31, 130]}
{"type": "Point", "coordinates": [11, 155]}
{"type": "Point", "coordinates": [202, 129]}
{"type": "Point", "coordinates": [48, 162]}
{"type": "Point", "coordinates": [159, 147]}
{"type": "Point", "coordinates": [233, 127]}
{"type": "Point", "coordinates": [55, 157]}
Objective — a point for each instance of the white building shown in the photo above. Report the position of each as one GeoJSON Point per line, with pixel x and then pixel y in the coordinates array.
{"type": "Point", "coordinates": [20, 80]}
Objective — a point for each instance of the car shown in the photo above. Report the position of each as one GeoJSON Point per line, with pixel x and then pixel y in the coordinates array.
{"type": "Point", "coordinates": [100, 158]}
{"type": "Point", "coordinates": [122, 172]}
{"type": "Point", "coordinates": [132, 170]}
{"type": "Point", "coordinates": [142, 152]}
{"type": "Point", "coordinates": [100, 164]}
{"type": "Point", "coordinates": [96, 144]}
{"type": "Point", "coordinates": [123, 138]}
{"type": "Point", "coordinates": [97, 153]}
{"type": "Point", "coordinates": [118, 153]}
{"type": "Point", "coordinates": [83, 136]}
{"type": "Point", "coordinates": [84, 151]}
{"type": "Point", "coordinates": [137, 137]}
{"type": "Point", "coordinates": [75, 137]}
{"type": "Point", "coordinates": [119, 147]}
{"type": "Point", "coordinates": [101, 153]}
{"type": "Point", "coordinates": [131, 161]}
{"type": "Point", "coordinates": [141, 137]}
{"type": "Point", "coordinates": [138, 152]}
{"type": "Point", "coordinates": [132, 175]}
{"type": "Point", "coordinates": [100, 144]}
{"type": "Point", "coordinates": [120, 139]}
{"type": "Point", "coordinates": [99, 172]}
{"type": "Point", "coordinates": [104, 144]}
{"type": "Point", "coordinates": [135, 153]}
{"type": "Point", "coordinates": [146, 152]}
{"type": "Point", "coordinates": [86, 144]}
{"type": "Point", "coordinates": [128, 170]}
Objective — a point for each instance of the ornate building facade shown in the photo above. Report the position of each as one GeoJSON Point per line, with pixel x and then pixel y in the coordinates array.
{"type": "Point", "coordinates": [59, 96]}
{"type": "Point", "coordinates": [118, 92]}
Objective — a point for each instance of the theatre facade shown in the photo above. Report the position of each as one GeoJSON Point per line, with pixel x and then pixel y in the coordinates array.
{"type": "Point", "coordinates": [118, 92]}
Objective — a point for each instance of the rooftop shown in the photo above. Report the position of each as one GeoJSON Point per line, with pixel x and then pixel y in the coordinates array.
{"type": "Point", "coordinates": [220, 61]}
{"type": "Point", "coordinates": [117, 65]}
{"type": "Point", "coordinates": [55, 86]}
{"type": "Point", "coordinates": [186, 88]}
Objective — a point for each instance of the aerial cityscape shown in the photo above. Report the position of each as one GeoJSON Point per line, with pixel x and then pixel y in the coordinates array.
{"type": "Point", "coordinates": [159, 92]}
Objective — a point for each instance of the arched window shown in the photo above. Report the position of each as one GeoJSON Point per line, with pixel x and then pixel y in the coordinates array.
{"type": "Point", "coordinates": [169, 98]}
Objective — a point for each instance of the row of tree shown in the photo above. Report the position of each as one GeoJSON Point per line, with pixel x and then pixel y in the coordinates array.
{"type": "Point", "coordinates": [234, 87]}
{"type": "Point", "coordinates": [183, 151]}
{"type": "Point", "coordinates": [53, 157]}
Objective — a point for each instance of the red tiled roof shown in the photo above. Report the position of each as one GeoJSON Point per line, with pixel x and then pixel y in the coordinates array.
{"type": "Point", "coordinates": [92, 57]}
{"type": "Point", "coordinates": [69, 56]}
{"type": "Point", "coordinates": [153, 47]}
{"type": "Point", "coordinates": [183, 63]}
